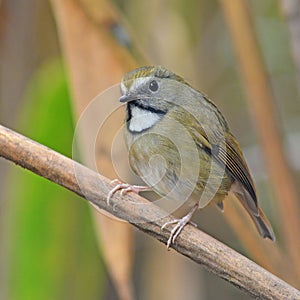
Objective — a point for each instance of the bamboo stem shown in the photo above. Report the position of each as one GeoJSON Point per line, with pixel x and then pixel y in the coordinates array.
{"type": "Point", "coordinates": [291, 10]}
{"type": "Point", "coordinates": [260, 99]}
{"type": "Point", "coordinates": [95, 62]}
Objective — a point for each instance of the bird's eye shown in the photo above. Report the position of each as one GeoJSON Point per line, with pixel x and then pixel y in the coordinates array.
{"type": "Point", "coordinates": [153, 86]}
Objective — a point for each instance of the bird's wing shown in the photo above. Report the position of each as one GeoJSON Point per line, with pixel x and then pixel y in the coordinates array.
{"type": "Point", "coordinates": [226, 152]}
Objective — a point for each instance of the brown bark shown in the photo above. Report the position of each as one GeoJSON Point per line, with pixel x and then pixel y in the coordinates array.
{"type": "Point", "coordinates": [193, 243]}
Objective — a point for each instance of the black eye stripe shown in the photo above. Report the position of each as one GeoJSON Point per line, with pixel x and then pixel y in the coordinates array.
{"type": "Point", "coordinates": [147, 107]}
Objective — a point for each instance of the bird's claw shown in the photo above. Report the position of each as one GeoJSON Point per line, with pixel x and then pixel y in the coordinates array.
{"type": "Point", "coordinates": [125, 188]}
{"type": "Point", "coordinates": [180, 224]}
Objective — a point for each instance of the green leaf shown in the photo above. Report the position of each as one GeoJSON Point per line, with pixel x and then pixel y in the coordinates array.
{"type": "Point", "coordinates": [51, 252]}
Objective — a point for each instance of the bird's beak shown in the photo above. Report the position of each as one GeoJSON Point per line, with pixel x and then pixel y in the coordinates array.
{"type": "Point", "coordinates": [127, 97]}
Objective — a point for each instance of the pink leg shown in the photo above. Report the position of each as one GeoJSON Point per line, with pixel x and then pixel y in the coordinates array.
{"type": "Point", "coordinates": [180, 224]}
{"type": "Point", "coordinates": [125, 188]}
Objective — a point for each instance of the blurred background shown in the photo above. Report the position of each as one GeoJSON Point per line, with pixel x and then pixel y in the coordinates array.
{"type": "Point", "coordinates": [56, 56]}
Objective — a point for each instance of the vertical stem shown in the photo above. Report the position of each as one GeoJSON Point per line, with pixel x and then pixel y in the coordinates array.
{"type": "Point", "coordinates": [260, 100]}
{"type": "Point", "coordinates": [291, 10]}
{"type": "Point", "coordinates": [95, 62]}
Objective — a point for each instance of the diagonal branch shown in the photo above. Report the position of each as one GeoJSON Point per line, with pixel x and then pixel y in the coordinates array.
{"type": "Point", "coordinates": [193, 243]}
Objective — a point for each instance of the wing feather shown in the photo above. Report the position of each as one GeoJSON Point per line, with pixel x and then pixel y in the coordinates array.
{"type": "Point", "coordinates": [231, 157]}
{"type": "Point", "coordinates": [227, 153]}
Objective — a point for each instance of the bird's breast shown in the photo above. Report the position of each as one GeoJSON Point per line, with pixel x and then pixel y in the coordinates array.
{"type": "Point", "coordinates": [171, 161]}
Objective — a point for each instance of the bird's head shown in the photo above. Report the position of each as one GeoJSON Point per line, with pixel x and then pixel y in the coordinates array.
{"type": "Point", "coordinates": [150, 92]}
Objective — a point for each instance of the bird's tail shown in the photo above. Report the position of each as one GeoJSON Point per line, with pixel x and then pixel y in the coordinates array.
{"type": "Point", "coordinates": [263, 225]}
{"type": "Point", "coordinates": [260, 220]}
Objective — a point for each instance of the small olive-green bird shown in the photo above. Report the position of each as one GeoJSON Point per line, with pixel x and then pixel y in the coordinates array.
{"type": "Point", "coordinates": [180, 144]}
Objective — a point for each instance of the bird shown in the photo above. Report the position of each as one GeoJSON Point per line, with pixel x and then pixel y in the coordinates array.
{"type": "Point", "coordinates": [180, 144]}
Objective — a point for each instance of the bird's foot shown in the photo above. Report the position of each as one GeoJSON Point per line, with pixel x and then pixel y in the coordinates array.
{"type": "Point", "coordinates": [180, 224]}
{"type": "Point", "coordinates": [125, 188]}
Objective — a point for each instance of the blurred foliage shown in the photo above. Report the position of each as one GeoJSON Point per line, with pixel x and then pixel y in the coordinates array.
{"type": "Point", "coordinates": [51, 250]}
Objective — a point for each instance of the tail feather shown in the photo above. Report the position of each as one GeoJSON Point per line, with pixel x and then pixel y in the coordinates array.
{"type": "Point", "coordinates": [260, 220]}
{"type": "Point", "coordinates": [263, 225]}
{"type": "Point", "coordinates": [257, 215]}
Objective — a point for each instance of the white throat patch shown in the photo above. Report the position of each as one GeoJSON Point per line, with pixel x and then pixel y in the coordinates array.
{"type": "Point", "coordinates": [142, 119]}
